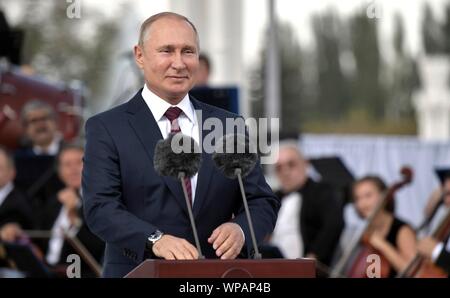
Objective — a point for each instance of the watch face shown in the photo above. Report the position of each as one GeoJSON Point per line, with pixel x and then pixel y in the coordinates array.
{"type": "Point", "coordinates": [155, 236]}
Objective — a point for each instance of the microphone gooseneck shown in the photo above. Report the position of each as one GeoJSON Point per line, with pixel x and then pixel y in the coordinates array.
{"type": "Point", "coordinates": [235, 158]}
{"type": "Point", "coordinates": [179, 157]}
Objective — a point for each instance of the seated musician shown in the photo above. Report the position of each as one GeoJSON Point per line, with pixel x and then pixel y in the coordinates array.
{"type": "Point", "coordinates": [310, 219]}
{"type": "Point", "coordinates": [438, 251]}
{"type": "Point", "coordinates": [15, 211]}
{"type": "Point", "coordinates": [64, 213]}
{"type": "Point", "coordinates": [64, 216]}
{"type": "Point", "coordinates": [392, 237]}
{"type": "Point", "coordinates": [35, 158]}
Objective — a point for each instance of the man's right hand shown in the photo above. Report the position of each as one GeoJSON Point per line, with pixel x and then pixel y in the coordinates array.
{"type": "Point", "coordinates": [174, 248]}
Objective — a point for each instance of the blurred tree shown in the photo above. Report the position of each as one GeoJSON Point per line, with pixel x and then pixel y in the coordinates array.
{"type": "Point", "coordinates": [368, 93]}
{"type": "Point", "coordinates": [433, 35]}
{"type": "Point", "coordinates": [446, 29]}
{"type": "Point", "coordinates": [402, 78]}
{"type": "Point", "coordinates": [65, 49]}
{"type": "Point", "coordinates": [333, 98]}
{"type": "Point", "coordinates": [291, 81]}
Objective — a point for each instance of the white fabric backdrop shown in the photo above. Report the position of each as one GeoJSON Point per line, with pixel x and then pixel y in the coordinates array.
{"type": "Point", "coordinates": [384, 156]}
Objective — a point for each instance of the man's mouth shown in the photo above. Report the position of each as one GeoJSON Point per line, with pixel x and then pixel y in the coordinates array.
{"type": "Point", "coordinates": [177, 77]}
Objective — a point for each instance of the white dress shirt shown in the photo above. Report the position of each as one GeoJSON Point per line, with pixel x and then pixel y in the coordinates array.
{"type": "Point", "coordinates": [5, 191]}
{"type": "Point", "coordinates": [187, 120]}
{"type": "Point", "coordinates": [287, 235]}
{"type": "Point", "coordinates": [438, 217]}
{"type": "Point", "coordinates": [61, 227]}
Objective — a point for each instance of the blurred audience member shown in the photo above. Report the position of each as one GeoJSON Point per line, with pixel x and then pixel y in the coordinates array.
{"type": "Point", "coordinates": [204, 70]}
{"type": "Point", "coordinates": [15, 212]}
{"type": "Point", "coordinates": [64, 213]}
{"type": "Point", "coordinates": [310, 219]}
{"type": "Point", "coordinates": [41, 130]}
{"type": "Point", "coordinates": [35, 161]}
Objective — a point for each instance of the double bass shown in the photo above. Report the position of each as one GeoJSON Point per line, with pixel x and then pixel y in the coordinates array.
{"type": "Point", "coordinates": [354, 260]}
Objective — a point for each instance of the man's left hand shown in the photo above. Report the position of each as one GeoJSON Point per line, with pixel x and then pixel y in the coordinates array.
{"type": "Point", "coordinates": [227, 240]}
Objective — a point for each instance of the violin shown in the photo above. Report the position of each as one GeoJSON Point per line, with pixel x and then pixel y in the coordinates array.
{"type": "Point", "coordinates": [355, 258]}
{"type": "Point", "coordinates": [422, 267]}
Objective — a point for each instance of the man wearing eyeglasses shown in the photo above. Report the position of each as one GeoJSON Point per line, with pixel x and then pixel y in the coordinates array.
{"type": "Point", "coordinates": [310, 219]}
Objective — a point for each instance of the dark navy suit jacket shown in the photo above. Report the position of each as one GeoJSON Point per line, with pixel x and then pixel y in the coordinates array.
{"type": "Point", "coordinates": [125, 200]}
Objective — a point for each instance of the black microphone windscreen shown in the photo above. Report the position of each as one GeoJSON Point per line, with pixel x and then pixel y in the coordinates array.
{"type": "Point", "coordinates": [175, 154]}
{"type": "Point", "coordinates": [234, 151]}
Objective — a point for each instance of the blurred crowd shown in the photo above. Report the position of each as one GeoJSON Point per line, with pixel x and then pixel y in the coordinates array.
{"type": "Point", "coordinates": [41, 210]}
{"type": "Point", "coordinates": [40, 198]}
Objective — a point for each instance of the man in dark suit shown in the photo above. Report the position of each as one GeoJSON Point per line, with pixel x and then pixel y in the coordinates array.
{"type": "Point", "coordinates": [15, 211]}
{"type": "Point", "coordinates": [35, 160]}
{"type": "Point", "coordinates": [64, 214]}
{"type": "Point", "coordinates": [140, 214]}
{"type": "Point", "coordinates": [310, 219]}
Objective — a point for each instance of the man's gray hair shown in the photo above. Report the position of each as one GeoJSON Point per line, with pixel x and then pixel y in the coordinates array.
{"type": "Point", "coordinates": [293, 145]}
{"type": "Point", "coordinates": [147, 23]}
{"type": "Point", "coordinates": [34, 105]}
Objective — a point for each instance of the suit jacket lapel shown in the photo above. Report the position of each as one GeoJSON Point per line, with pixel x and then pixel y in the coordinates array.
{"type": "Point", "coordinates": [147, 130]}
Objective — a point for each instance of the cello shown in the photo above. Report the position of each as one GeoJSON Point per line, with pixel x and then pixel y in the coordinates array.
{"type": "Point", "coordinates": [422, 267]}
{"type": "Point", "coordinates": [353, 262]}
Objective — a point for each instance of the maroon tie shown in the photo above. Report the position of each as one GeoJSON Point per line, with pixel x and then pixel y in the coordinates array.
{"type": "Point", "coordinates": [172, 114]}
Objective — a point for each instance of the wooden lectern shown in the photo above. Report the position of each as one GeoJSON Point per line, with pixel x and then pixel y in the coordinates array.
{"type": "Point", "coordinates": [210, 268]}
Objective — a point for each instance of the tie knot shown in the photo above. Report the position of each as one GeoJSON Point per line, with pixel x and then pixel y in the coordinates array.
{"type": "Point", "coordinates": [173, 113]}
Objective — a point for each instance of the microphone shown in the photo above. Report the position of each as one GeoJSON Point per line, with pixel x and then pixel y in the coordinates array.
{"type": "Point", "coordinates": [234, 158]}
{"type": "Point", "coordinates": [179, 156]}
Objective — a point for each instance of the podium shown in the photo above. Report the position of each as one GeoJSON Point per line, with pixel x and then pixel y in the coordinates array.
{"type": "Point", "coordinates": [240, 268]}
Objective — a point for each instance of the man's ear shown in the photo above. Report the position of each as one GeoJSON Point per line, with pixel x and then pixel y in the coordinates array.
{"type": "Point", "coordinates": [139, 56]}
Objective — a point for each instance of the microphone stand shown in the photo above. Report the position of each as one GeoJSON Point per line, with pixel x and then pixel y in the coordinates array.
{"type": "Point", "coordinates": [181, 176]}
{"type": "Point", "coordinates": [238, 173]}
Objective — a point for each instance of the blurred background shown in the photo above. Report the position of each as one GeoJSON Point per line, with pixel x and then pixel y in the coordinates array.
{"type": "Point", "coordinates": [364, 82]}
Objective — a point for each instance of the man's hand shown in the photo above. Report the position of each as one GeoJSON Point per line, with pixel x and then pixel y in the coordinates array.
{"type": "Point", "coordinates": [68, 197]}
{"type": "Point", "coordinates": [426, 246]}
{"type": "Point", "coordinates": [10, 232]}
{"type": "Point", "coordinates": [174, 248]}
{"type": "Point", "coordinates": [227, 240]}
{"type": "Point", "coordinates": [70, 200]}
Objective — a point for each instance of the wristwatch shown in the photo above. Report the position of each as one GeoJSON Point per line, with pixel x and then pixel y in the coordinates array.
{"type": "Point", "coordinates": [153, 238]}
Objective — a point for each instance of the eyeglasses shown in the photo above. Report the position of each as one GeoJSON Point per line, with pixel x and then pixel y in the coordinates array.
{"type": "Point", "coordinates": [36, 120]}
{"type": "Point", "coordinates": [291, 164]}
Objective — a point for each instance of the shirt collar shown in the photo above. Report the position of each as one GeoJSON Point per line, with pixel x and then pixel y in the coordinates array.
{"type": "Point", "coordinates": [53, 149]}
{"type": "Point", "coordinates": [159, 106]}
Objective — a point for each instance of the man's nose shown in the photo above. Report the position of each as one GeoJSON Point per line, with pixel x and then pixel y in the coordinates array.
{"type": "Point", "coordinates": [178, 62]}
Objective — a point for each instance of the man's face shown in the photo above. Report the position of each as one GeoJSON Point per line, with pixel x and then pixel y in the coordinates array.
{"type": "Point", "coordinates": [7, 172]}
{"type": "Point", "coordinates": [70, 167]}
{"type": "Point", "coordinates": [290, 169]}
{"type": "Point", "coordinates": [40, 127]}
{"type": "Point", "coordinates": [169, 58]}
